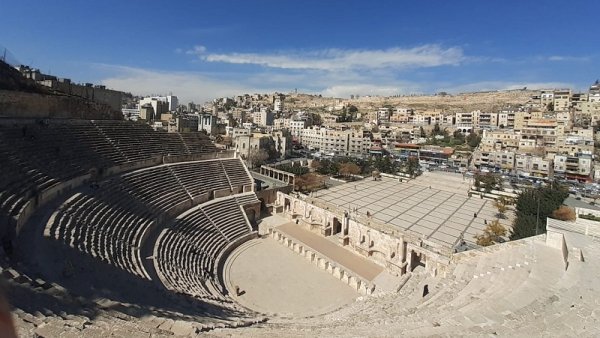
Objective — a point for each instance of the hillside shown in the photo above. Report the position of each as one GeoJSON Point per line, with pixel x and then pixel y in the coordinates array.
{"type": "Point", "coordinates": [487, 101]}
{"type": "Point", "coordinates": [21, 97]}
{"type": "Point", "coordinates": [11, 79]}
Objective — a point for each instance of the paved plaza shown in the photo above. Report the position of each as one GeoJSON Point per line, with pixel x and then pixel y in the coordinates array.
{"type": "Point", "coordinates": [430, 206]}
{"type": "Point", "coordinates": [276, 280]}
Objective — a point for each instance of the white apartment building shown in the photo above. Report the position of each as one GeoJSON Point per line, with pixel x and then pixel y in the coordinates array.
{"type": "Point", "coordinates": [499, 140]}
{"type": "Point", "coordinates": [341, 142]}
{"type": "Point", "coordinates": [171, 100]}
{"type": "Point", "coordinates": [546, 98]}
{"type": "Point", "coordinates": [573, 167]}
{"type": "Point", "coordinates": [484, 120]}
{"type": "Point", "coordinates": [562, 100]}
{"type": "Point", "coordinates": [296, 127]}
{"type": "Point", "coordinates": [208, 123]}
{"type": "Point", "coordinates": [265, 118]}
{"type": "Point", "coordinates": [464, 122]}
{"type": "Point", "coordinates": [278, 104]}
{"type": "Point", "coordinates": [533, 165]}
{"type": "Point", "coordinates": [546, 130]}
{"type": "Point", "coordinates": [501, 159]}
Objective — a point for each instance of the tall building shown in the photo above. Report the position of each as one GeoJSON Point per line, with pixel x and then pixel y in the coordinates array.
{"type": "Point", "coordinates": [170, 101]}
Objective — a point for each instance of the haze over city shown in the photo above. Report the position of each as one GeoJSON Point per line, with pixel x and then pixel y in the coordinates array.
{"type": "Point", "coordinates": [203, 50]}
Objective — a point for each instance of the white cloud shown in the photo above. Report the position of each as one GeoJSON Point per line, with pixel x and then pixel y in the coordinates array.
{"type": "Point", "coordinates": [188, 86]}
{"type": "Point", "coordinates": [567, 58]}
{"type": "Point", "coordinates": [197, 50]}
{"type": "Point", "coordinates": [342, 59]}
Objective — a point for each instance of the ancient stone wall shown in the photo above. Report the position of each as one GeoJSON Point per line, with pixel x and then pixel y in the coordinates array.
{"type": "Point", "coordinates": [391, 250]}
{"type": "Point", "coordinates": [32, 105]}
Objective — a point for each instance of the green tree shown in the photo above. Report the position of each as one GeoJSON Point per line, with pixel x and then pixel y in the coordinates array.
{"type": "Point", "coordinates": [316, 119]}
{"type": "Point", "coordinates": [412, 165]}
{"type": "Point", "coordinates": [473, 140]}
{"type": "Point", "coordinates": [488, 182]}
{"type": "Point", "coordinates": [294, 169]}
{"type": "Point", "coordinates": [436, 130]}
{"type": "Point", "coordinates": [459, 137]}
{"type": "Point", "coordinates": [545, 199]}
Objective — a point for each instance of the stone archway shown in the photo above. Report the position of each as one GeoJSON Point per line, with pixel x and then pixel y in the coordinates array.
{"type": "Point", "coordinates": [264, 211]}
{"type": "Point", "coordinates": [416, 259]}
{"type": "Point", "coordinates": [287, 205]}
{"type": "Point", "coordinates": [251, 214]}
{"type": "Point", "coordinates": [337, 226]}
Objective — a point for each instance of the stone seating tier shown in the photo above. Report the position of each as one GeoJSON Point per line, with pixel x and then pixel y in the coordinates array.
{"type": "Point", "coordinates": [37, 156]}
{"type": "Point", "coordinates": [186, 253]}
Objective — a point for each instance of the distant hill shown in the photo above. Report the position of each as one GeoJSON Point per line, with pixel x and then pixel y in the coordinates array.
{"type": "Point", "coordinates": [486, 101]}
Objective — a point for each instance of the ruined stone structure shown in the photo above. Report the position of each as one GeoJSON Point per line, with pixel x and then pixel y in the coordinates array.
{"type": "Point", "coordinates": [399, 253]}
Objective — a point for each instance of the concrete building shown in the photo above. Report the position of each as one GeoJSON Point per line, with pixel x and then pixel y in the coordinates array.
{"type": "Point", "coordinates": [170, 103]}
{"type": "Point", "coordinates": [506, 119]}
{"type": "Point", "coordinates": [486, 120]}
{"type": "Point", "coordinates": [132, 114]}
{"type": "Point", "coordinates": [533, 165]}
{"type": "Point", "coordinates": [159, 106]}
{"type": "Point", "coordinates": [546, 98]}
{"type": "Point", "coordinates": [499, 140]}
{"type": "Point", "coordinates": [545, 131]}
{"type": "Point", "coordinates": [501, 159]}
{"type": "Point", "coordinates": [522, 118]}
{"type": "Point", "coordinates": [278, 104]}
{"type": "Point", "coordinates": [147, 112]}
{"type": "Point", "coordinates": [340, 142]}
{"type": "Point", "coordinates": [578, 167]}
{"type": "Point", "coordinates": [276, 144]}
{"type": "Point", "coordinates": [187, 122]}
{"type": "Point", "coordinates": [562, 100]}
{"type": "Point", "coordinates": [264, 117]}
{"type": "Point", "coordinates": [207, 123]}
{"type": "Point", "coordinates": [296, 127]}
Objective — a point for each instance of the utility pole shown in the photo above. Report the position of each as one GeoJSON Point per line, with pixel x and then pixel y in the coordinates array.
{"type": "Point", "coordinates": [537, 221]}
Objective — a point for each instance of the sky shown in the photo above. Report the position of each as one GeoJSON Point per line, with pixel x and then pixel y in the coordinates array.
{"type": "Point", "coordinates": [200, 50]}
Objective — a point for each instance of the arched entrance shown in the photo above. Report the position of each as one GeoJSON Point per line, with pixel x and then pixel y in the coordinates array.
{"type": "Point", "coordinates": [416, 259]}
{"type": "Point", "coordinates": [251, 214]}
{"type": "Point", "coordinates": [337, 226]}
{"type": "Point", "coordinates": [264, 211]}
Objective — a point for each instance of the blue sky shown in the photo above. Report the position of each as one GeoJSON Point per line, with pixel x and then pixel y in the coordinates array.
{"type": "Point", "coordinates": [199, 50]}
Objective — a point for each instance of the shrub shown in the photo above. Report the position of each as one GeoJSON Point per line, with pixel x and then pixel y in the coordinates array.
{"type": "Point", "coordinates": [564, 213]}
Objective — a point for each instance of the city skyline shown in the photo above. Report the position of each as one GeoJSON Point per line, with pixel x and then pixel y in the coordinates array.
{"type": "Point", "coordinates": [199, 51]}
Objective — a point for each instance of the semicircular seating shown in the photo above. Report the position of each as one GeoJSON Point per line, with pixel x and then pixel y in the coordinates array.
{"type": "Point", "coordinates": [185, 254]}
